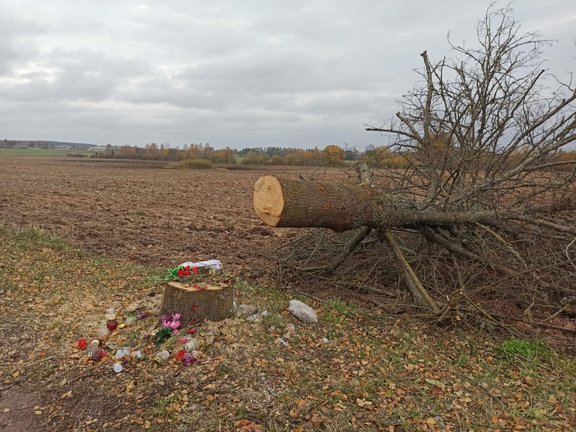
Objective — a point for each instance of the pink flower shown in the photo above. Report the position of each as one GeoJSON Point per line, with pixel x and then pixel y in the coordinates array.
{"type": "Point", "coordinates": [171, 322]}
{"type": "Point", "coordinates": [188, 359]}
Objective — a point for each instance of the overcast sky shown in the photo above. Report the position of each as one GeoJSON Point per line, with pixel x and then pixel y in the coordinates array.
{"type": "Point", "coordinates": [232, 73]}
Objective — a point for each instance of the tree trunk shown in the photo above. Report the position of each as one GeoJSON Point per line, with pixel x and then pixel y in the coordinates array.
{"type": "Point", "coordinates": [300, 203]}
{"type": "Point", "coordinates": [297, 203]}
{"type": "Point", "coordinates": [198, 302]}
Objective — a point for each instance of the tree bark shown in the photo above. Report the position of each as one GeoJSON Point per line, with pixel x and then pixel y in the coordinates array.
{"type": "Point", "coordinates": [198, 302]}
{"type": "Point", "coordinates": [296, 203]}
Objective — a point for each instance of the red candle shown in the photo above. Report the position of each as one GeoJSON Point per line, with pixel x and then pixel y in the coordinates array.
{"type": "Point", "coordinates": [111, 325]}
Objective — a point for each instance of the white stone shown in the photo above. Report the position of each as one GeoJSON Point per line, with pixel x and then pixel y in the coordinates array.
{"type": "Point", "coordinates": [245, 311]}
{"type": "Point", "coordinates": [191, 345]}
{"type": "Point", "coordinates": [303, 312]}
{"type": "Point", "coordinates": [162, 356]}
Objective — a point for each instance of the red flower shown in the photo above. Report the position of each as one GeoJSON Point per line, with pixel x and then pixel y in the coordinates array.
{"type": "Point", "coordinates": [191, 331]}
{"type": "Point", "coordinates": [195, 269]}
{"type": "Point", "coordinates": [180, 355]}
{"type": "Point", "coordinates": [82, 344]}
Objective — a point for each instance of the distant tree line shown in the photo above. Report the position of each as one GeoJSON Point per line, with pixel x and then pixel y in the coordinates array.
{"type": "Point", "coordinates": [331, 155]}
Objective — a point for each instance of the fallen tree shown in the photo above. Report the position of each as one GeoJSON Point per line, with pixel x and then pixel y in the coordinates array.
{"type": "Point", "coordinates": [484, 204]}
{"type": "Point", "coordinates": [298, 204]}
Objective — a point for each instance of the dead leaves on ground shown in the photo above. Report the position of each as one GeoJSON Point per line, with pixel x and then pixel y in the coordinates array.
{"type": "Point", "coordinates": [349, 372]}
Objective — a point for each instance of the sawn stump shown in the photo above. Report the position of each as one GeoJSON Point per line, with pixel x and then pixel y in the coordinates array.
{"type": "Point", "coordinates": [198, 302]}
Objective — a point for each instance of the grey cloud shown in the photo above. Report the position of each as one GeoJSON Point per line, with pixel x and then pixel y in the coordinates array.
{"type": "Point", "coordinates": [230, 73]}
{"type": "Point", "coordinates": [14, 47]}
{"type": "Point", "coordinates": [63, 75]}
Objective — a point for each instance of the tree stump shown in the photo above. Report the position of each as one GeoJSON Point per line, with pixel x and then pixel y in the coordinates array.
{"type": "Point", "coordinates": [198, 302]}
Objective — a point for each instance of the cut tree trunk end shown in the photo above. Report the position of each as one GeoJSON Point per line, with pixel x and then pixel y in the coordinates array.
{"type": "Point", "coordinates": [198, 302]}
{"type": "Point", "coordinates": [300, 203]}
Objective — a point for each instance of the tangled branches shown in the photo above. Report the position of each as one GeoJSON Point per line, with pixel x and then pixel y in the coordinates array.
{"type": "Point", "coordinates": [485, 207]}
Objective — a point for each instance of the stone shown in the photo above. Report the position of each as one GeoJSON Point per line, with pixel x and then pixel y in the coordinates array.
{"type": "Point", "coordinates": [303, 312]}
{"type": "Point", "coordinates": [162, 356]}
{"type": "Point", "coordinates": [257, 317]}
{"type": "Point", "coordinates": [245, 311]}
{"type": "Point", "coordinates": [209, 340]}
{"type": "Point", "coordinates": [191, 345]}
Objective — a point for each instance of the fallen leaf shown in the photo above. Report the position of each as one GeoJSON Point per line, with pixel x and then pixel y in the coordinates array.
{"type": "Point", "coordinates": [363, 403]}
{"type": "Point", "coordinates": [317, 419]}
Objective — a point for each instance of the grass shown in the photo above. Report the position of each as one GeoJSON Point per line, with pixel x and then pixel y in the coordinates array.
{"type": "Point", "coordinates": [35, 152]}
{"type": "Point", "coordinates": [528, 350]}
{"type": "Point", "coordinates": [368, 375]}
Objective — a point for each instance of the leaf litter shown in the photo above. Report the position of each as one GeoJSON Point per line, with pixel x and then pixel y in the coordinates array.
{"type": "Point", "coordinates": [350, 371]}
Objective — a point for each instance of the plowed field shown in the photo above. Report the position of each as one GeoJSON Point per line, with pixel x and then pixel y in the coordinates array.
{"type": "Point", "coordinates": [142, 211]}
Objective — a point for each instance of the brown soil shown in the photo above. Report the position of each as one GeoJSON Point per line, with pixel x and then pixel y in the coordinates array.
{"type": "Point", "coordinates": [141, 211]}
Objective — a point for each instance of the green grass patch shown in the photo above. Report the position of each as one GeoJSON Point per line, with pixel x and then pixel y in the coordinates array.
{"type": "Point", "coordinates": [33, 237]}
{"type": "Point", "coordinates": [34, 152]}
{"type": "Point", "coordinates": [522, 349]}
